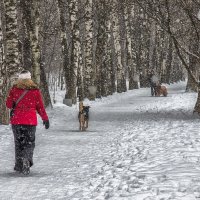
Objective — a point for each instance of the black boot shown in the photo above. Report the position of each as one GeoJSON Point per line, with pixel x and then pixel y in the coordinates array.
{"type": "Point", "coordinates": [26, 167]}
{"type": "Point", "coordinates": [18, 165]}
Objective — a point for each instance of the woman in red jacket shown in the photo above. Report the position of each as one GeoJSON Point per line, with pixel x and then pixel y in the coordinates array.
{"type": "Point", "coordinates": [24, 119]}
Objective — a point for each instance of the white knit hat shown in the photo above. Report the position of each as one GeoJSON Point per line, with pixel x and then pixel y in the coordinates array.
{"type": "Point", "coordinates": [25, 74]}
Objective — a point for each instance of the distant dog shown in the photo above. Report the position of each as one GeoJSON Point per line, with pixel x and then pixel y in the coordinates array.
{"type": "Point", "coordinates": [83, 116]}
{"type": "Point", "coordinates": [161, 90]}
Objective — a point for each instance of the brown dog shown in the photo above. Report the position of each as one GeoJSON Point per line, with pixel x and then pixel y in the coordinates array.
{"type": "Point", "coordinates": [161, 90]}
{"type": "Point", "coordinates": [83, 116]}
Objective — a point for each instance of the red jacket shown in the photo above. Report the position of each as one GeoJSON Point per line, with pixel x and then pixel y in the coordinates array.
{"type": "Point", "coordinates": [25, 111]}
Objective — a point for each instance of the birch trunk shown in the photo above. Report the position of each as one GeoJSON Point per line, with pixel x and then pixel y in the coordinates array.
{"type": "Point", "coordinates": [114, 60]}
{"type": "Point", "coordinates": [31, 16]}
{"type": "Point", "coordinates": [193, 63]}
{"type": "Point", "coordinates": [80, 81]}
{"type": "Point", "coordinates": [120, 70]}
{"type": "Point", "coordinates": [163, 57]}
{"type": "Point", "coordinates": [34, 34]}
{"type": "Point", "coordinates": [80, 71]}
{"type": "Point", "coordinates": [144, 48]}
{"type": "Point", "coordinates": [2, 56]}
{"type": "Point", "coordinates": [108, 58]}
{"type": "Point", "coordinates": [197, 105]}
{"type": "Point", "coordinates": [12, 51]}
{"type": "Point", "coordinates": [123, 42]}
{"type": "Point", "coordinates": [152, 45]}
{"type": "Point", "coordinates": [26, 45]}
{"type": "Point", "coordinates": [2, 42]}
{"type": "Point", "coordinates": [64, 44]}
{"type": "Point", "coordinates": [159, 54]}
{"type": "Point", "coordinates": [100, 50]}
{"type": "Point", "coordinates": [169, 61]}
{"type": "Point", "coordinates": [2, 72]}
{"type": "Point", "coordinates": [129, 13]}
{"type": "Point", "coordinates": [12, 55]}
{"type": "Point", "coordinates": [43, 79]}
{"type": "Point", "coordinates": [89, 70]}
{"type": "Point", "coordinates": [76, 49]}
{"type": "Point", "coordinates": [135, 22]}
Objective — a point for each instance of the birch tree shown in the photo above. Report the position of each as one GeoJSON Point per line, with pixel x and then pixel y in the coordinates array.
{"type": "Point", "coordinates": [64, 44]}
{"type": "Point", "coordinates": [108, 54]}
{"type": "Point", "coordinates": [2, 68]}
{"type": "Point", "coordinates": [132, 71]}
{"type": "Point", "coordinates": [31, 16]}
{"type": "Point", "coordinates": [2, 56]}
{"type": "Point", "coordinates": [101, 49]}
{"type": "Point", "coordinates": [120, 73]}
{"type": "Point", "coordinates": [76, 49]}
{"type": "Point", "coordinates": [26, 46]}
{"type": "Point", "coordinates": [194, 48]}
{"type": "Point", "coordinates": [152, 45]}
{"type": "Point", "coordinates": [141, 43]}
{"type": "Point", "coordinates": [80, 71]}
{"type": "Point", "coordinates": [169, 58]}
{"type": "Point", "coordinates": [123, 40]}
{"type": "Point", "coordinates": [89, 69]}
{"type": "Point", "coordinates": [12, 54]}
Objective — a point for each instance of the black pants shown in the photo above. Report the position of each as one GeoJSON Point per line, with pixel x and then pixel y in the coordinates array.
{"type": "Point", "coordinates": [24, 138]}
{"type": "Point", "coordinates": [153, 89]}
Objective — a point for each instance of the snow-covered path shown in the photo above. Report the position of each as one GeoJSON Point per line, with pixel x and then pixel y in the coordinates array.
{"type": "Point", "coordinates": [137, 147]}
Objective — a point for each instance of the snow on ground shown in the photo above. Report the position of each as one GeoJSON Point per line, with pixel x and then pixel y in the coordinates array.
{"type": "Point", "coordinates": [137, 147]}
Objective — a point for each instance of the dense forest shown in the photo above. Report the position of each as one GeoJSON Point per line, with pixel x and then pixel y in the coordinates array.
{"type": "Point", "coordinates": [94, 48]}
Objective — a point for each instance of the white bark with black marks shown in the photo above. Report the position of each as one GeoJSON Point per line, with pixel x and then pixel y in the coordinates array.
{"type": "Point", "coordinates": [89, 70]}
{"type": "Point", "coordinates": [129, 13]}
{"type": "Point", "coordinates": [31, 17]}
{"type": "Point", "coordinates": [76, 50]}
{"type": "Point", "coordinates": [12, 51]}
{"type": "Point", "coordinates": [2, 56]}
{"type": "Point", "coordinates": [12, 54]}
{"type": "Point", "coordinates": [120, 73]}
